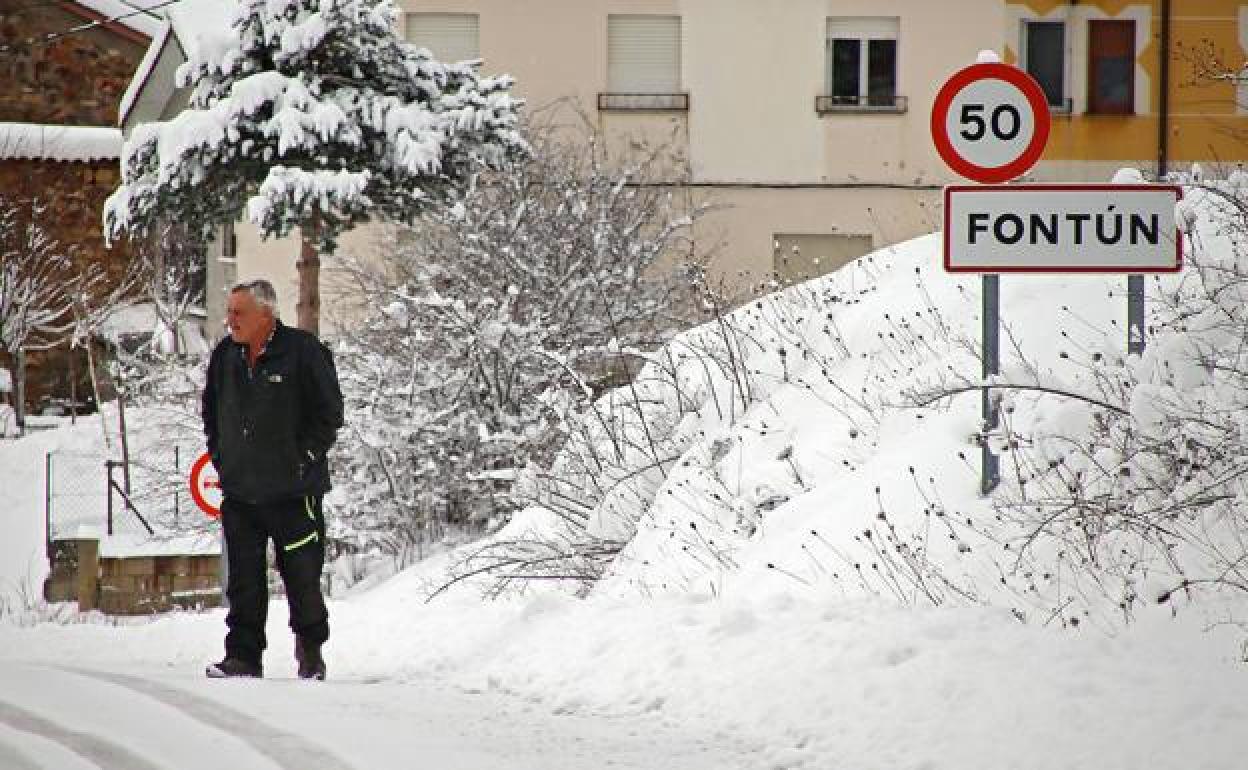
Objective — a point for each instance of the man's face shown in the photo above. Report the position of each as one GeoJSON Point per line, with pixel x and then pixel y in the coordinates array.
{"type": "Point", "coordinates": [248, 321]}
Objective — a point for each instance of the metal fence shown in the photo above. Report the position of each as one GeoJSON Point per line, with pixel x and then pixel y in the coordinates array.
{"type": "Point", "coordinates": [155, 487]}
{"type": "Point", "coordinates": [76, 494]}
{"type": "Point", "coordinates": [88, 494]}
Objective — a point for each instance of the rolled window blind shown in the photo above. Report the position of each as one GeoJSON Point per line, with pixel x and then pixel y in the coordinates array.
{"type": "Point", "coordinates": [864, 28]}
{"type": "Point", "coordinates": [452, 37]}
{"type": "Point", "coordinates": [643, 54]}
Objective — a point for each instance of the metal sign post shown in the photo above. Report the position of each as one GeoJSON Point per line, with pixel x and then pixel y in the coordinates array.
{"type": "Point", "coordinates": [990, 464]}
{"type": "Point", "coordinates": [1135, 314]}
{"type": "Point", "coordinates": [990, 123]}
{"type": "Point", "coordinates": [995, 229]}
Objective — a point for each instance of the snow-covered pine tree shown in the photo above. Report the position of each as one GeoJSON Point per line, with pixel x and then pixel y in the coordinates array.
{"type": "Point", "coordinates": [317, 115]}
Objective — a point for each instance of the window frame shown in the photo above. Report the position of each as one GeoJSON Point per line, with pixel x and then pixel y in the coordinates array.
{"type": "Point", "coordinates": [626, 97]}
{"type": "Point", "coordinates": [1066, 104]}
{"type": "Point", "coordinates": [863, 30]}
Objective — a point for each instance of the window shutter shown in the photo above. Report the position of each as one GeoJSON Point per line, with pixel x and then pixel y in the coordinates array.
{"type": "Point", "coordinates": [1111, 66]}
{"type": "Point", "coordinates": [452, 37]}
{"type": "Point", "coordinates": [643, 54]}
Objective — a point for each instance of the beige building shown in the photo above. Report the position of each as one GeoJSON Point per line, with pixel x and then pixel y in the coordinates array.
{"type": "Point", "coordinates": [806, 121]}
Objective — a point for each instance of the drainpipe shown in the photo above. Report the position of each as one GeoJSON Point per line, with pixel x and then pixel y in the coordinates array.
{"type": "Point", "coordinates": [1163, 105]}
{"type": "Point", "coordinates": [1135, 282]}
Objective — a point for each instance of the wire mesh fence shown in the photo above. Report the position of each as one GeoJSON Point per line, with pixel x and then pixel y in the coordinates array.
{"type": "Point", "coordinates": [76, 495]}
{"type": "Point", "coordinates": [158, 489]}
{"type": "Point", "coordinates": [88, 494]}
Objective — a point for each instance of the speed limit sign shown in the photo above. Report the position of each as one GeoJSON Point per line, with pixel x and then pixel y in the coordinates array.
{"type": "Point", "coordinates": [990, 122]}
{"type": "Point", "coordinates": [205, 488]}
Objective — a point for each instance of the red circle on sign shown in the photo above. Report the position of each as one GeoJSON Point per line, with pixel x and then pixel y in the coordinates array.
{"type": "Point", "coordinates": [1040, 118]}
{"type": "Point", "coordinates": [197, 494]}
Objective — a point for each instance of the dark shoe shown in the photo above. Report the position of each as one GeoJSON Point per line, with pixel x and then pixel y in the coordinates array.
{"type": "Point", "coordinates": [311, 664]}
{"type": "Point", "coordinates": [233, 667]}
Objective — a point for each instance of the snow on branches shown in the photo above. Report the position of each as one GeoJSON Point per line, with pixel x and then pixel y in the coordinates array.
{"type": "Point", "coordinates": [508, 309]}
{"type": "Point", "coordinates": [45, 298]}
{"type": "Point", "coordinates": [314, 109]}
{"type": "Point", "coordinates": [1124, 479]}
{"type": "Point", "coordinates": [37, 281]}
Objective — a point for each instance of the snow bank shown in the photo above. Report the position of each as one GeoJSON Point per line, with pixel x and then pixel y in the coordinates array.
{"type": "Point", "coordinates": [828, 479]}
{"type": "Point", "coordinates": [826, 465]}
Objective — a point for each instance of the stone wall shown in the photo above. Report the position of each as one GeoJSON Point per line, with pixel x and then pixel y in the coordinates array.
{"type": "Point", "coordinates": [142, 585]}
{"type": "Point", "coordinates": [75, 79]}
{"type": "Point", "coordinates": [72, 195]}
{"type": "Point", "coordinates": [130, 586]}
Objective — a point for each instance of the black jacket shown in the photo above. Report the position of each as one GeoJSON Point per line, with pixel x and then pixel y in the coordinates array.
{"type": "Point", "coordinates": [270, 428]}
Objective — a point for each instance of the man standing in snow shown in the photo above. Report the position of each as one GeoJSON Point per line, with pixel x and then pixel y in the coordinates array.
{"type": "Point", "coordinates": [272, 408]}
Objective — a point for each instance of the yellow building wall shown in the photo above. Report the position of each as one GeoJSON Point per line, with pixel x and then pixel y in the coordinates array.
{"type": "Point", "coordinates": [1206, 120]}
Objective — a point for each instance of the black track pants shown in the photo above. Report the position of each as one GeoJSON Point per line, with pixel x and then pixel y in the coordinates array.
{"type": "Point", "coordinates": [297, 528]}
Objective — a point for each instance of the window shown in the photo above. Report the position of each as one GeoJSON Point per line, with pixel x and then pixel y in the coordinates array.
{"type": "Point", "coordinates": [799, 257]}
{"type": "Point", "coordinates": [862, 64]}
{"type": "Point", "coordinates": [643, 63]}
{"type": "Point", "coordinates": [451, 37]}
{"type": "Point", "coordinates": [1044, 49]}
{"type": "Point", "coordinates": [1111, 67]}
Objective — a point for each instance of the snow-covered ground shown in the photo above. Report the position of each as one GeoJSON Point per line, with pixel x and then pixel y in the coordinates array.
{"type": "Point", "coordinates": [774, 657]}
{"type": "Point", "coordinates": [745, 682]}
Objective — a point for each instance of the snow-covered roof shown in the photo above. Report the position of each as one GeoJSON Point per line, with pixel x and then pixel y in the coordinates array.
{"type": "Point", "coordinates": [144, 71]}
{"type": "Point", "coordinates": [127, 13]}
{"type": "Point", "coordinates": [198, 26]}
{"type": "Point", "coordinates": [202, 25]}
{"type": "Point", "coordinates": [32, 141]}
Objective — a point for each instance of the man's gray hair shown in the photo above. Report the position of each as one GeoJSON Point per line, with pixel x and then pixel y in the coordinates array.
{"type": "Point", "coordinates": [260, 290]}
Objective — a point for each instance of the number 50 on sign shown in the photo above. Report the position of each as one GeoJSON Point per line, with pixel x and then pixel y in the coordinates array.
{"type": "Point", "coordinates": [990, 122]}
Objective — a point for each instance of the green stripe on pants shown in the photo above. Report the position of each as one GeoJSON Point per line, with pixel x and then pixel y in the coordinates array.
{"type": "Point", "coordinates": [309, 539]}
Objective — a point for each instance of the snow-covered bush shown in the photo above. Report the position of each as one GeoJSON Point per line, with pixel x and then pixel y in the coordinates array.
{"type": "Point", "coordinates": [150, 354]}
{"type": "Point", "coordinates": [1136, 490]}
{"type": "Point", "coordinates": [658, 467]}
{"type": "Point", "coordinates": [803, 438]}
{"type": "Point", "coordinates": [505, 311]}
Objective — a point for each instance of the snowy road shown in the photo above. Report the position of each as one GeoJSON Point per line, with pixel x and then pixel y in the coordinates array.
{"type": "Point", "coordinates": [70, 718]}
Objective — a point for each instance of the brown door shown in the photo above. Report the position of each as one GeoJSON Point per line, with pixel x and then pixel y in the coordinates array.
{"type": "Point", "coordinates": [1111, 67]}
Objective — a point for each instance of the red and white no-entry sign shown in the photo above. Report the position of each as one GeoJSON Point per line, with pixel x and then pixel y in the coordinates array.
{"type": "Point", "coordinates": [205, 488]}
{"type": "Point", "coordinates": [990, 122]}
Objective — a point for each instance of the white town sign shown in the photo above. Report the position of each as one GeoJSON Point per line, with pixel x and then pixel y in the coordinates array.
{"type": "Point", "coordinates": [1062, 228]}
